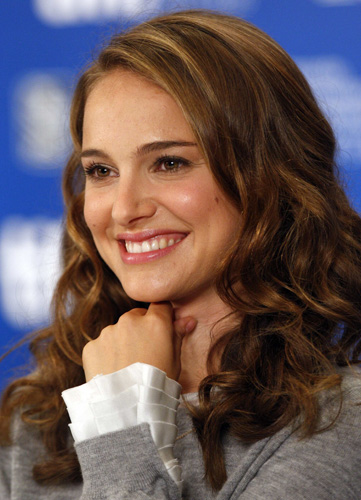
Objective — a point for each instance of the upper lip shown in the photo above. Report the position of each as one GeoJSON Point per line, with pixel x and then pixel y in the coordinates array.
{"type": "Point", "coordinates": [147, 234]}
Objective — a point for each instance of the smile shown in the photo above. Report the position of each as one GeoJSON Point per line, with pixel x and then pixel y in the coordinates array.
{"type": "Point", "coordinates": [150, 245]}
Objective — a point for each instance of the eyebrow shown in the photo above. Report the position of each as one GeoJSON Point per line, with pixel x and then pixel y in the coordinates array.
{"type": "Point", "coordinates": [141, 150]}
{"type": "Point", "coordinates": [158, 145]}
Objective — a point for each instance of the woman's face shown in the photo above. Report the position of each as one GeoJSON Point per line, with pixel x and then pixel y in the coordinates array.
{"type": "Point", "coordinates": [157, 216]}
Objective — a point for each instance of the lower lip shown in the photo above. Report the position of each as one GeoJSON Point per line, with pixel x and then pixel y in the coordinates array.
{"type": "Point", "coordinates": [141, 258]}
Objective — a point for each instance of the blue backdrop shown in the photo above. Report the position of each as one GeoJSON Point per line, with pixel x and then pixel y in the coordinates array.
{"type": "Point", "coordinates": [44, 45]}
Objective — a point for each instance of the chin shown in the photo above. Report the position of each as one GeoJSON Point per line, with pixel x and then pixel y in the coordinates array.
{"type": "Point", "coordinates": [148, 295]}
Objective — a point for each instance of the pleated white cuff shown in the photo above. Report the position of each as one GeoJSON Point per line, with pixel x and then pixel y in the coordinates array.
{"type": "Point", "coordinates": [136, 394]}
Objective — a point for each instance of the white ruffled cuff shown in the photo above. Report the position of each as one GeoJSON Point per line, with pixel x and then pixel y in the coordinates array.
{"type": "Point", "coordinates": [136, 394]}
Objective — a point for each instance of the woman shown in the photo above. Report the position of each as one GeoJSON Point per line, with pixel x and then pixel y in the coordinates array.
{"type": "Point", "coordinates": [208, 248]}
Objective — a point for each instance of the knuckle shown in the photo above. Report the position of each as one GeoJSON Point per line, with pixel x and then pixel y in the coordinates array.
{"type": "Point", "coordinates": [87, 349]}
{"type": "Point", "coordinates": [130, 316]}
{"type": "Point", "coordinates": [158, 313]}
{"type": "Point", "coordinates": [137, 311]}
{"type": "Point", "coordinates": [106, 333]}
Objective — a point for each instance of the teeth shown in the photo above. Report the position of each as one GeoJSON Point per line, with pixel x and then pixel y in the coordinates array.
{"type": "Point", "coordinates": [146, 246]}
{"type": "Point", "coordinates": [137, 248]}
{"type": "Point", "coordinates": [154, 245]}
{"type": "Point", "coordinates": [149, 245]}
{"type": "Point", "coordinates": [163, 243]}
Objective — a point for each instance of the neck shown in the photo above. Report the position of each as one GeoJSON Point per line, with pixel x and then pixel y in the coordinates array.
{"type": "Point", "coordinates": [211, 315]}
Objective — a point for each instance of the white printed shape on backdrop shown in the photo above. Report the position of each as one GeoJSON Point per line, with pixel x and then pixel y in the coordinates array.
{"type": "Point", "coordinates": [40, 120]}
{"type": "Point", "coordinates": [338, 3]}
{"type": "Point", "coordinates": [65, 12]}
{"type": "Point", "coordinates": [237, 7]}
{"type": "Point", "coordinates": [338, 90]}
{"type": "Point", "coordinates": [29, 269]}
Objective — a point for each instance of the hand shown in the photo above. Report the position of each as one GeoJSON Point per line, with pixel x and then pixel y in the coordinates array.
{"type": "Point", "coordinates": [140, 335]}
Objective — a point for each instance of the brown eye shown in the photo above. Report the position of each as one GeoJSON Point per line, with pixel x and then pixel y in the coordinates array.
{"type": "Point", "coordinates": [98, 171]}
{"type": "Point", "coordinates": [171, 164]}
{"type": "Point", "coordinates": [102, 171]}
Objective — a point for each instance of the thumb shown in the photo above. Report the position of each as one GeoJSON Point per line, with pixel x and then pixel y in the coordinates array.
{"type": "Point", "coordinates": [182, 327]}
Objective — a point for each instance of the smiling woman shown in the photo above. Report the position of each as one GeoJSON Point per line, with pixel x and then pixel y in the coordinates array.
{"type": "Point", "coordinates": [150, 197]}
{"type": "Point", "coordinates": [209, 250]}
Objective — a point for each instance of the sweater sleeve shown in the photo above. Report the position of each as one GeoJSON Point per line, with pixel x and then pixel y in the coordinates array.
{"type": "Point", "coordinates": [124, 465]}
{"type": "Point", "coordinates": [108, 403]}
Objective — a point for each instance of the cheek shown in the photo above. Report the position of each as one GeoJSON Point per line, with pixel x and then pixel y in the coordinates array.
{"type": "Point", "coordinates": [94, 213]}
{"type": "Point", "coordinates": [224, 219]}
{"type": "Point", "coordinates": [193, 203]}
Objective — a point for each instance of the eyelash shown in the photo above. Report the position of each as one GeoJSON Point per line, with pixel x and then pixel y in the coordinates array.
{"type": "Point", "coordinates": [175, 159]}
{"type": "Point", "coordinates": [91, 170]}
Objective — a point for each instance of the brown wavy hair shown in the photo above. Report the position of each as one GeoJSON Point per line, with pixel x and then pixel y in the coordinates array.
{"type": "Point", "coordinates": [293, 278]}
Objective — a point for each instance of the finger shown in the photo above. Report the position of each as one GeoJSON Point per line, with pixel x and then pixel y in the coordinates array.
{"type": "Point", "coordinates": [184, 326]}
{"type": "Point", "coordinates": [137, 311]}
{"type": "Point", "coordinates": [163, 309]}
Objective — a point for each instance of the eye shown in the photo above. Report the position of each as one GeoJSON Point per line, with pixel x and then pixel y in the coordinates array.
{"type": "Point", "coordinates": [170, 163]}
{"type": "Point", "coordinates": [98, 171]}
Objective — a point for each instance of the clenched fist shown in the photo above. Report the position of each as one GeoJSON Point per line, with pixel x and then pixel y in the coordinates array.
{"type": "Point", "coordinates": [140, 335]}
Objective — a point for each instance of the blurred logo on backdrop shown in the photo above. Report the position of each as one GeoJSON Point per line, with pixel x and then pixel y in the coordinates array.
{"type": "Point", "coordinates": [29, 269]}
{"type": "Point", "coordinates": [338, 90]}
{"type": "Point", "coordinates": [41, 102]}
{"type": "Point", "coordinates": [65, 12]}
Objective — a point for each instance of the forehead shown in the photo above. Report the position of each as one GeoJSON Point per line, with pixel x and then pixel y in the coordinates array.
{"type": "Point", "coordinates": [122, 79]}
{"type": "Point", "coordinates": [124, 88]}
{"type": "Point", "coordinates": [128, 102]}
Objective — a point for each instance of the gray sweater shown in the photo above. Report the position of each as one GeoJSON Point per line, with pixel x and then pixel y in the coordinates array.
{"type": "Point", "coordinates": [126, 465]}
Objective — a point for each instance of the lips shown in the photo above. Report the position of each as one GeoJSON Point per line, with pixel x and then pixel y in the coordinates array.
{"type": "Point", "coordinates": [156, 243]}
{"type": "Point", "coordinates": [148, 245]}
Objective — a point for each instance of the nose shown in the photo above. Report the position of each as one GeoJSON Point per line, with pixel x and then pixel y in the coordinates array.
{"type": "Point", "coordinates": [133, 201]}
